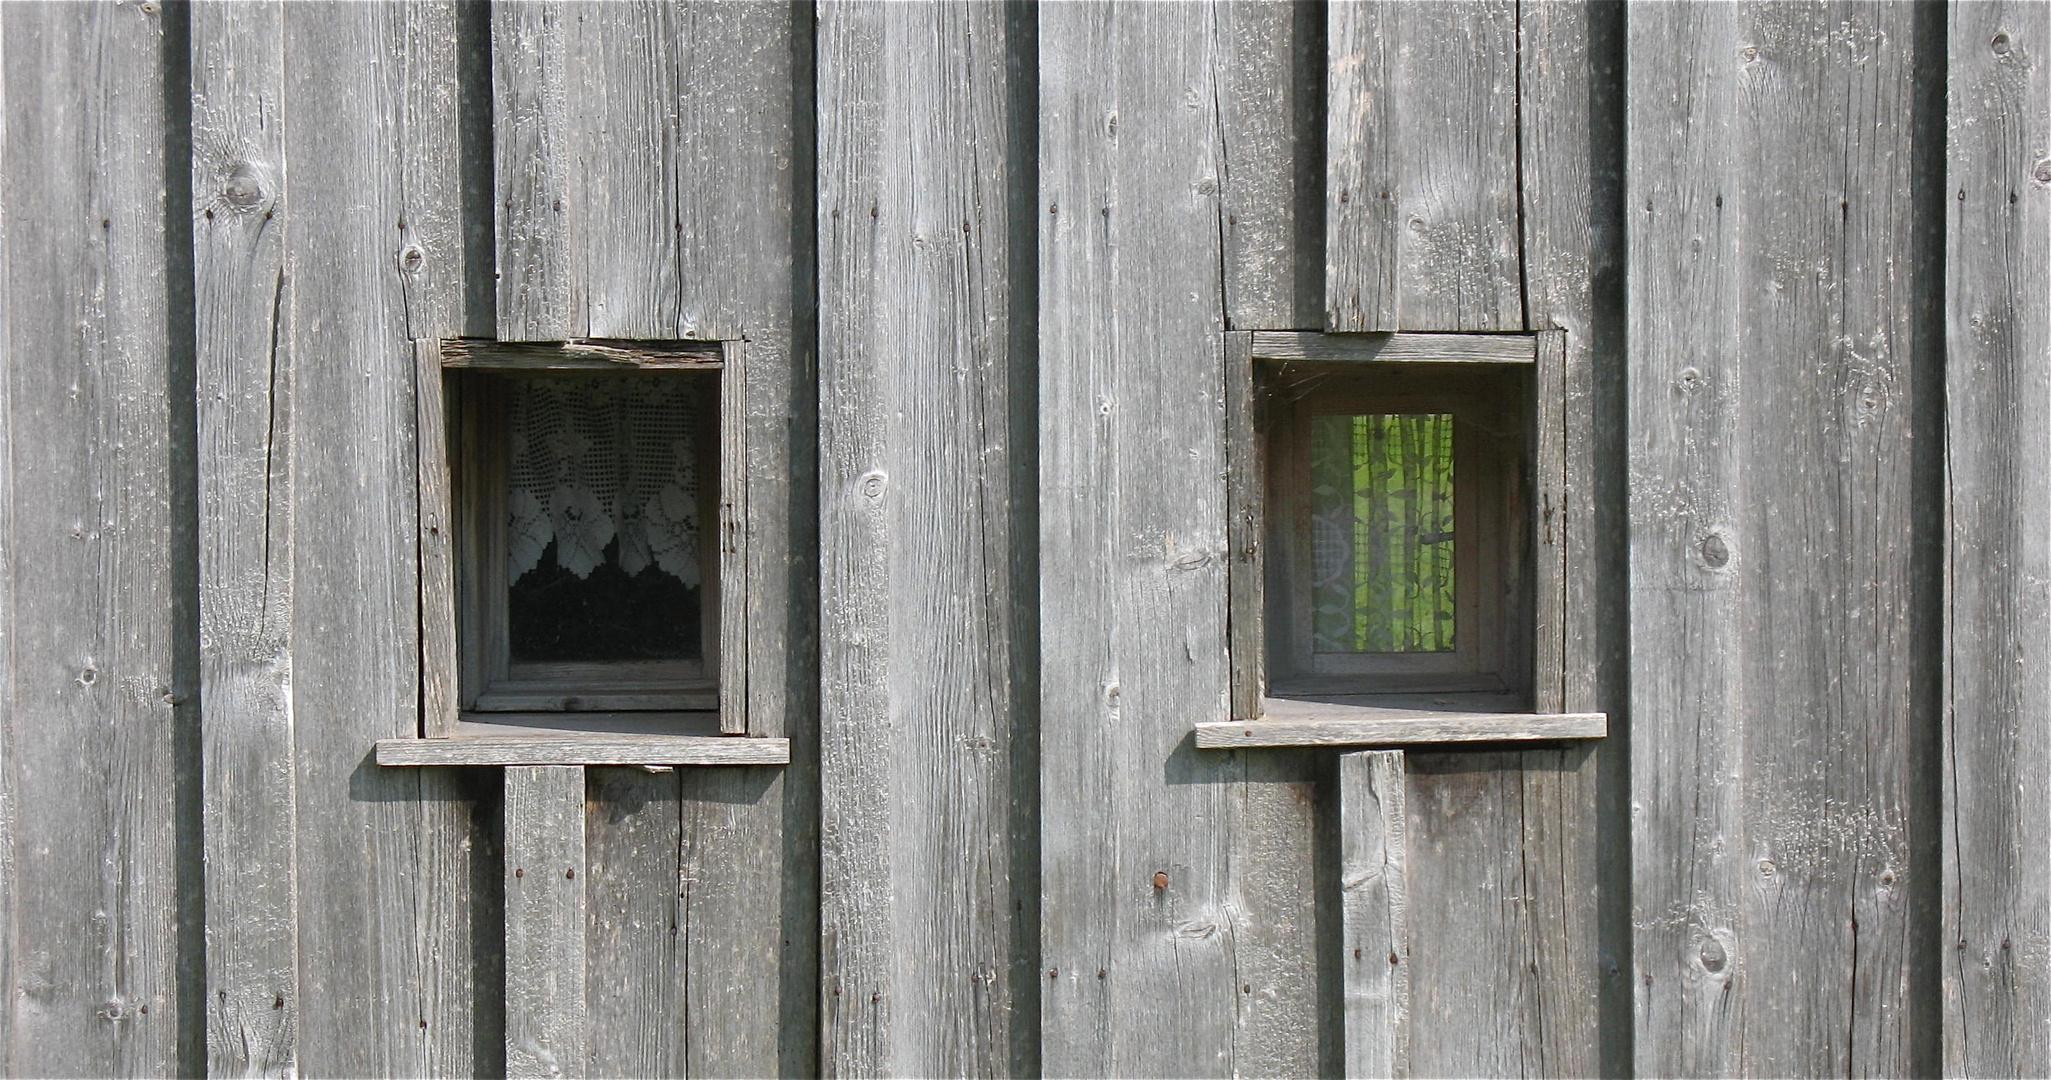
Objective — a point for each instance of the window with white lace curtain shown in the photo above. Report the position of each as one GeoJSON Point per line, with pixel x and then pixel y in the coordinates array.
{"type": "Point", "coordinates": [574, 543]}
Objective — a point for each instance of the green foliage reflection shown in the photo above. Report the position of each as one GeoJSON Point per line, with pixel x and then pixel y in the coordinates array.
{"type": "Point", "coordinates": [1382, 527]}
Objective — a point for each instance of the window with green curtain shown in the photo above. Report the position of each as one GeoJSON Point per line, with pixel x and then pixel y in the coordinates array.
{"type": "Point", "coordinates": [1382, 521]}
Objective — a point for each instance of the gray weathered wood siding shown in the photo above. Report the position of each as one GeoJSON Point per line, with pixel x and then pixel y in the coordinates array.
{"type": "Point", "coordinates": [997, 271]}
{"type": "Point", "coordinates": [1782, 743]}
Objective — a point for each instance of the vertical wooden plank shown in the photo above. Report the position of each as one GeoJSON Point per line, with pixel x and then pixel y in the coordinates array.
{"type": "Point", "coordinates": [438, 657]}
{"type": "Point", "coordinates": [734, 577]}
{"type": "Point", "coordinates": [1246, 528]}
{"type": "Point", "coordinates": [1421, 229]}
{"type": "Point", "coordinates": [1269, 88]}
{"type": "Point", "coordinates": [1778, 746]}
{"type": "Point", "coordinates": [1575, 802]}
{"type": "Point", "coordinates": [533, 150]}
{"type": "Point", "coordinates": [918, 612]}
{"type": "Point", "coordinates": [634, 922]}
{"type": "Point", "coordinates": [1997, 725]}
{"type": "Point", "coordinates": [545, 921]}
{"type": "Point", "coordinates": [246, 568]}
{"type": "Point", "coordinates": [88, 622]}
{"type": "Point", "coordinates": [1376, 937]}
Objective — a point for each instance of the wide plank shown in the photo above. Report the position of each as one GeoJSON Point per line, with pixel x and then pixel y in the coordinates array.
{"type": "Point", "coordinates": [921, 207]}
{"type": "Point", "coordinates": [99, 846]}
{"type": "Point", "coordinates": [1421, 196]}
{"type": "Point", "coordinates": [1783, 746]}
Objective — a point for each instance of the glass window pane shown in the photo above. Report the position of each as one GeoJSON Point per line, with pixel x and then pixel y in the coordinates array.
{"type": "Point", "coordinates": [1382, 533]}
{"type": "Point", "coordinates": [603, 507]}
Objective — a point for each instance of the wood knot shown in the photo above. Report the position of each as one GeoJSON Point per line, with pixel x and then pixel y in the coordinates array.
{"type": "Point", "coordinates": [1715, 550]}
{"type": "Point", "coordinates": [1713, 956]}
{"type": "Point", "coordinates": [2000, 44]}
{"type": "Point", "coordinates": [2042, 173]}
{"type": "Point", "coordinates": [244, 188]}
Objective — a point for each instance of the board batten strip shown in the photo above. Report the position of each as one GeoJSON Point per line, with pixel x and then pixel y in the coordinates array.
{"type": "Point", "coordinates": [1375, 936]}
{"type": "Point", "coordinates": [545, 921]}
{"type": "Point", "coordinates": [1778, 742]}
{"type": "Point", "coordinates": [918, 615]}
{"type": "Point", "coordinates": [246, 429]}
{"type": "Point", "coordinates": [1997, 725]}
{"type": "Point", "coordinates": [1421, 224]}
{"type": "Point", "coordinates": [88, 619]}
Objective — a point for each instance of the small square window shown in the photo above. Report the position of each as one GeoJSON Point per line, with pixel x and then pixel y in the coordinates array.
{"type": "Point", "coordinates": [579, 538]}
{"type": "Point", "coordinates": [1395, 530]}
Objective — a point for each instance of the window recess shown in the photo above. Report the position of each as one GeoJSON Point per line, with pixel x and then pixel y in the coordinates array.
{"type": "Point", "coordinates": [582, 555]}
{"type": "Point", "coordinates": [1396, 576]}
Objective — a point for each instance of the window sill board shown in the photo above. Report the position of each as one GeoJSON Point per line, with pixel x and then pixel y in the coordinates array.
{"type": "Point", "coordinates": [1301, 723]}
{"type": "Point", "coordinates": [585, 749]}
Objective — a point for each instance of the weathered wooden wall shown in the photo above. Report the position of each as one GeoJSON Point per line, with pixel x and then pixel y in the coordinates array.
{"type": "Point", "coordinates": [989, 256]}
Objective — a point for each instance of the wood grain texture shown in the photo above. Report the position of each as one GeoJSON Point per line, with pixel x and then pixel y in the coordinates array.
{"type": "Point", "coordinates": [1133, 549]}
{"type": "Point", "coordinates": [440, 660]}
{"type": "Point", "coordinates": [584, 748]}
{"type": "Point", "coordinates": [581, 355]}
{"type": "Point", "coordinates": [1778, 746]}
{"type": "Point", "coordinates": [545, 879]}
{"type": "Point", "coordinates": [634, 919]}
{"type": "Point", "coordinates": [626, 136]}
{"type": "Point", "coordinates": [1397, 348]}
{"type": "Point", "coordinates": [1997, 730]}
{"type": "Point", "coordinates": [1269, 88]}
{"type": "Point", "coordinates": [1246, 528]}
{"type": "Point", "coordinates": [1375, 939]}
{"type": "Point", "coordinates": [1421, 225]}
{"type": "Point", "coordinates": [1331, 725]}
{"type": "Point", "coordinates": [310, 281]}
{"type": "Point", "coordinates": [918, 614]}
{"type": "Point", "coordinates": [246, 557]}
{"type": "Point", "coordinates": [88, 621]}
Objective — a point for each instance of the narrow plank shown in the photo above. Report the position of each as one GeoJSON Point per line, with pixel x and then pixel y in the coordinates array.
{"type": "Point", "coordinates": [90, 623]}
{"type": "Point", "coordinates": [1421, 229]}
{"type": "Point", "coordinates": [247, 432]}
{"type": "Point", "coordinates": [1779, 748]}
{"type": "Point", "coordinates": [545, 921]}
{"type": "Point", "coordinates": [735, 526]}
{"type": "Point", "coordinates": [633, 925]}
{"type": "Point", "coordinates": [1397, 348]}
{"type": "Point", "coordinates": [584, 748]}
{"type": "Point", "coordinates": [1388, 727]}
{"type": "Point", "coordinates": [1997, 987]}
{"type": "Point", "coordinates": [1375, 938]}
{"type": "Point", "coordinates": [1246, 526]}
{"type": "Point", "coordinates": [1575, 801]}
{"type": "Point", "coordinates": [440, 663]}
{"type": "Point", "coordinates": [1269, 87]}
{"type": "Point", "coordinates": [918, 609]}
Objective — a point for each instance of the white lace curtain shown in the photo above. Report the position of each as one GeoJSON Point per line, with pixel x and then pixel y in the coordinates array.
{"type": "Point", "coordinates": [598, 459]}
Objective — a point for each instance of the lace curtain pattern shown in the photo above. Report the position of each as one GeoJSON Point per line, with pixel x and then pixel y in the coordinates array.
{"type": "Point", "coordinates": [594, 460]}
{"type": "Point", "coordinates": [1382, 533]}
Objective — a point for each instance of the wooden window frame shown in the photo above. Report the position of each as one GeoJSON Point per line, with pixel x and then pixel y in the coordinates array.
{"type": "Point", "coordinates": [468, 686]}
{"type": "Point", "coordinates": [1557, 472]}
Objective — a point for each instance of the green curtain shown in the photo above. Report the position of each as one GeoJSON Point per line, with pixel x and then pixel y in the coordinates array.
{"type": "Point", "coordinates": [1382, 521]}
